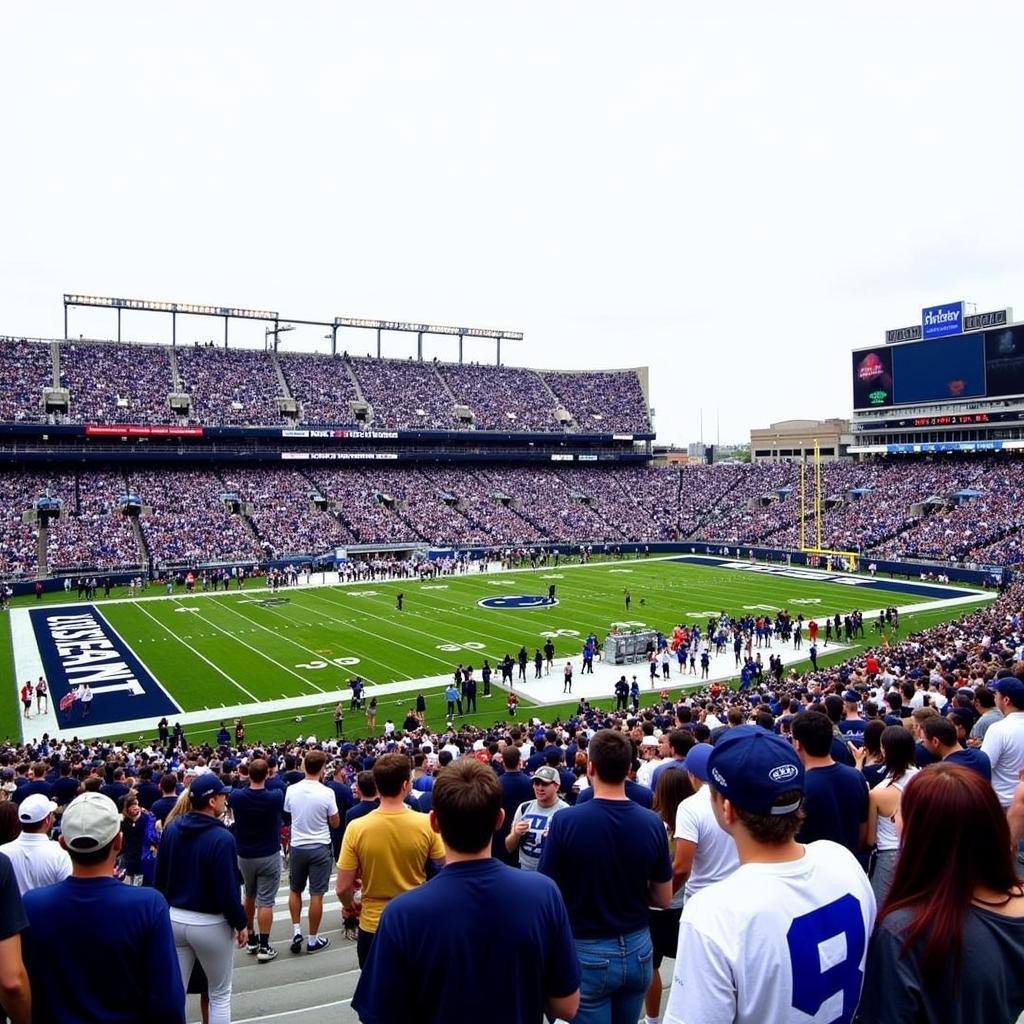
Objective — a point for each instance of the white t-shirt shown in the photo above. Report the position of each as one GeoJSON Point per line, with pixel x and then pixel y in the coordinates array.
{"type": "Point", "coordinates": [716, 857]}
{"type": "Point", "coordinates": [646, 770]}
{"type": "Point", "coordinates": [780, 943]}
{"type": "Point", "coordinates": [1004, 744]}
{"type": "Point", "coordinates": [310, 803]}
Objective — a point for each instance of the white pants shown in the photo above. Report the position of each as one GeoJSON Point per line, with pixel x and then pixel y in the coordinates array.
{"type": "Point", "coordinates": [211, 940]}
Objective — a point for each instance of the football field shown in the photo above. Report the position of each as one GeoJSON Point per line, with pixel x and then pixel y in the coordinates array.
{"type": "Point", "coordinates": [272, 658]}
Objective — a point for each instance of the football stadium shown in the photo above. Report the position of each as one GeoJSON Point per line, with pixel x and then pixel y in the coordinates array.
{"type": "Point", "coordinates": [415, 669]}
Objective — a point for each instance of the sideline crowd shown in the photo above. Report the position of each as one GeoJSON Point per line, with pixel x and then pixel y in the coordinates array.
{"type": "Point", "coordinates": [833, 846]}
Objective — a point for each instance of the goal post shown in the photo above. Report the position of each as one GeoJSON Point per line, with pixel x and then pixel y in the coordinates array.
{"type": "Point", "coordinates": [822, 557]}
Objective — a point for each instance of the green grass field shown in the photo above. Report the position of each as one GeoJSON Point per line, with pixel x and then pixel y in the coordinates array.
{"type": "Point", "coordinates": [222, 651]}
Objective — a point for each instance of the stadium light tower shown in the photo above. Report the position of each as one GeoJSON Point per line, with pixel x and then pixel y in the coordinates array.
{"type": "Point", "coordinates": [275, 331]}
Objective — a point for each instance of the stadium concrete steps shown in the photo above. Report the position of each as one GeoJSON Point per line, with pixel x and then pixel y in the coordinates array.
{"type": "Point", "coordinates": [175, 376]}
{"type": "Point", "coordinates": [444, 385]}
{"type": "Point", "coordinates": [41, 553]}
{"type": "Point", "coordinates": [355, 380]}
{"type": "Point", "coordinates": [556, 402]}
{"type": "Point", "coordinates": [140, 540]}
{"type": "Point", "coordinates": [285, 390]}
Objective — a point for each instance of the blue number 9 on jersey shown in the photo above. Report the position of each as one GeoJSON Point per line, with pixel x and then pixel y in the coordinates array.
{"type": "Point", "coordinates": [825, 951]}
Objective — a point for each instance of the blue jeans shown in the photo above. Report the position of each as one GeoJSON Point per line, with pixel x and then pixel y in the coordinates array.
{"type": "Point", "coordinates": [614, 975]}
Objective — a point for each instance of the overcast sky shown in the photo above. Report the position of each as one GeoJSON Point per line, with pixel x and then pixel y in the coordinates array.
{"type": "Point", "coordinates": [735, 199]}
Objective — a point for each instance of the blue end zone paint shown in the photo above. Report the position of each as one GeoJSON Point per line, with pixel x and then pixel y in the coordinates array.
{"type": "Point", "coordinates": [796, 572]}
{"type": "Point", "coordinates": [76, 643]}
{"type": "Point", "coordinates": [517, 601]}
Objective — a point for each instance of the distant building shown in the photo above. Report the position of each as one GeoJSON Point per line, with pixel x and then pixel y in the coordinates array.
{"type": "Point", "coordinates": [791, 440]}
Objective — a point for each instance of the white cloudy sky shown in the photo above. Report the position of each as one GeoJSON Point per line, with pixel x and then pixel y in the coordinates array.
{"type": "Point", "coordinates": [735, 195]}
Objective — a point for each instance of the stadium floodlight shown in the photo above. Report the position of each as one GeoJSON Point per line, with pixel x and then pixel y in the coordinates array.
{"type": "Point", "coordinates": [155, 306]}
{"type": "Point", "coordinates": [399, 325]}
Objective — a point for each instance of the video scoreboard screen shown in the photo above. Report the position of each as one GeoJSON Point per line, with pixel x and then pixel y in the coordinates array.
{"type": "Point", "coordinates": [984, 364]}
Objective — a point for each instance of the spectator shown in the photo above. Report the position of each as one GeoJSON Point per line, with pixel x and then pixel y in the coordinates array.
{"type": "Point", "coordinates": [884, 806]}
{"type": "Point", "coordinates": [950, 940]}
{"type": "Point", "coordinates": [532, 818]}
{"type": "Point", "coordinates": [612, 846]}
{"type": "Point", "coordinates": [835, 800]}
{"type": "Point", "coordinates": [314, 812]}
{"type": "Point", "coordinates": [749, 946]}
{"type": "Point", "coordinates": [35, 859]}
{"type": "Point", "coordinates": [15, 991]}
{"type": "Point", "coordinates": [389, 850]}
{"type": "Point", "coordinates": [130, 975]}
{"type": "Point", "coordinates": [704, 851]}
{"type": "Point", "coordinates": [940, 738]}
{"type": "Point", "coordinates": [1004, 740]}
{"type": "Point", "coordinates": [197, 871]}
{"type": "Point", "coordinates": [536, 973]}
{"type": "Point", "coordinates": [257, 813]}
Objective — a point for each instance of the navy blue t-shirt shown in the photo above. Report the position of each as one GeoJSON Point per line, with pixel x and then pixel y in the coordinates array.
{"type": "Point", "coordinates": [162, 807]}
{"type": "Point", "coordinates": [413, 968]}
{"type": "Point", "coordinates": [835, 805]}
{"type": "Point", "coordinates": [127, 972]}
{"type": "Point", "coordinates": [65, 789]}
{"type": "Point", "coordinates": [603, 856]}
{"type": "Point", "coordinates": [638, 794]}
{"type": "Point", "coordinates": [973, 758]}
{"type": "Point", "coordinates": [257, 821]}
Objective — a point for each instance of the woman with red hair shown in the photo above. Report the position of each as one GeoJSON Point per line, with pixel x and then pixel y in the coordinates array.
{"type": "Point", "coordinates": [949, 944]}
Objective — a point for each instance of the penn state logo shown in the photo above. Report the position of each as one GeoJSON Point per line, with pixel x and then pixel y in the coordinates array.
{"type": "Point", "coordinates": [517, 602]}
{"type": "Point", "coordinates": [784, 773]}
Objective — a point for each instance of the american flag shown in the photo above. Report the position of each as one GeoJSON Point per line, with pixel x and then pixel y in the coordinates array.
{"type": "Point", "coordinates": [66, 701]}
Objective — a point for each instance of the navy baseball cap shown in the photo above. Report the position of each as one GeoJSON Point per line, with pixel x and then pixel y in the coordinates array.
{"type": "Point", "coordinates": [697, 758]}
{"type": "Point", "coordinates": [1011, 687]}
{"type": "Point", "coordinates": [752, 767]}
{"type": "Point", "coordinates": [206, 784]}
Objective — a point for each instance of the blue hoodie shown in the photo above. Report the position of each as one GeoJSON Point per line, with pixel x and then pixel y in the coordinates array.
{"type": "Point", "coordinates": [197, 868]}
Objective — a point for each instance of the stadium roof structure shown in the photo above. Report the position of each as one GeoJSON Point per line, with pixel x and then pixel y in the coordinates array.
{"type": "Point", "coordinates": [229, 313]}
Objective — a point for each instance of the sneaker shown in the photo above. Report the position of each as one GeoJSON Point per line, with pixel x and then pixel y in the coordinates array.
{"type": "Point", "coordinates": [266, 954]}
{"type": "Point", "coordinates": [296, 946]}
{"type": "Point", "coordinates": [321, 943]}
{"type": "Point", "coordinates": [252, 947]}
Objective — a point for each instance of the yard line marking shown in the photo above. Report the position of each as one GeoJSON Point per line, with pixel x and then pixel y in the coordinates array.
{"type": "Point", "coordinates": [310, 650]}
{"type": "Point", "coordinates": [216, 668]}
{"type": "Point", "coordinates": [266, 657]}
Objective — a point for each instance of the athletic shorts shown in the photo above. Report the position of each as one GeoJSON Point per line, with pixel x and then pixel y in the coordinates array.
{"type": "Point", "coordinates": [665, 934]}
{"type": "Point", "coordinates": [312, 863]}
{"type": "Point", "coordinates": [261, 877]}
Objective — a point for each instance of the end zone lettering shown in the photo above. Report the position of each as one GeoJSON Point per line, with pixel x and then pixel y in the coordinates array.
{"type": "Point", "coordinates": [78, 646]}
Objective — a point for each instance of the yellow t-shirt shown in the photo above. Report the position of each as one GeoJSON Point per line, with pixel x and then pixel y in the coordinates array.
{"type": "Point", "coordinates": [389, 850]}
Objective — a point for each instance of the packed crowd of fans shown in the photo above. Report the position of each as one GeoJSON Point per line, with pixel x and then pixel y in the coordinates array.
{"type": "Point", "coordinates": [189, 521]}
{"type": "Point", "coordinates": [737, 833]}
{"type": "Point", "coordinates": [501, 397]}
{"type": "Point", "coordinates": [116, 383]}
{"type": "Point", "coordinates": [964, 510]}
{"type": "Point", "coordinates": [129, 383]}
{"type": "Point", "coordinates": [283, 510]}
{"type": "Point", "coordinates": [601, 401]}
{"type": "Point", "coordinates": [229, 386]}
{"type": "Point", "coordinates": [94, 532]}
{"type": "Point", "coordinates": [26, 368]}
{"type": "Point", "coordinates": [322, 384]}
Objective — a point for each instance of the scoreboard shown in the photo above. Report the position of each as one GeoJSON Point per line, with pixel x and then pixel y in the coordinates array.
{"type": "Point", "coordinates": [981, 364]}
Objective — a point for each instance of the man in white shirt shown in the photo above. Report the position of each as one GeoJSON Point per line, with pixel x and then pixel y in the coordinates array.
{"type": "Point", "coordinates": [704, 852]}
{"type": "Point", "coordinates": [37, 860]}
{"type": "Point", "coordinates": [784, 937]}
{"type": "Point", "coordinates": [654, 751]}
{"type": "Point", "coordinates": [1004, 740]}
{"type": "Point", "coordinates": [314, 811]}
